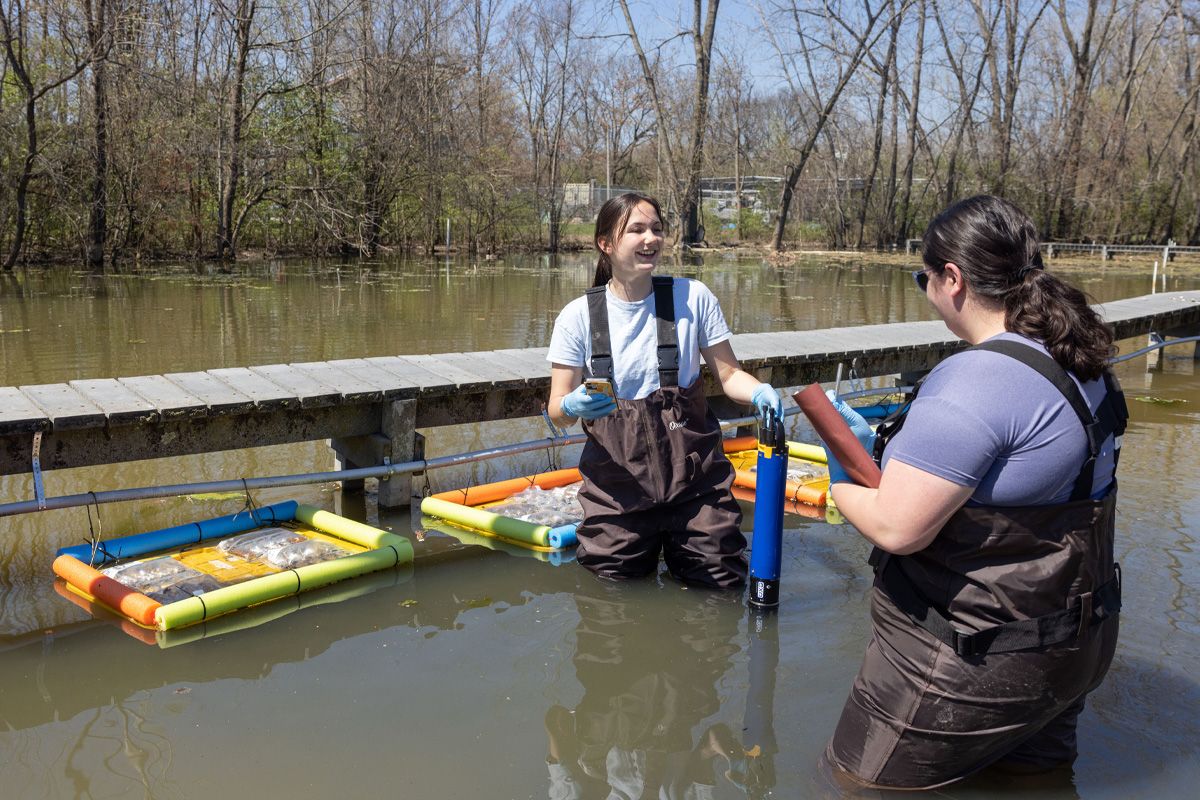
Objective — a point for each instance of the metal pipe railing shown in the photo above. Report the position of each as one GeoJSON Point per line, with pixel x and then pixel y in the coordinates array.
{"type": "Point", "coordinates": [407, 467]}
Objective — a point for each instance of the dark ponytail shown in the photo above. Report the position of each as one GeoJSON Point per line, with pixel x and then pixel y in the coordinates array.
{"type": "Point", "coordinates": [996, 247]}
{"type": "Point", "coordinates": [610, 224]}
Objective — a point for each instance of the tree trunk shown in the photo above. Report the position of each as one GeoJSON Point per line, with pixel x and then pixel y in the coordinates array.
{"type": "Point", "coordinates": [97, 25]}
{"type": "Point", "coordinates": [914, 104]}
{"type": "Point", "coordinates": [232, 168]}
{"type": "Point", "coordinates": [793, 172]}
{"type": "Point", "coordinates": [22, 192]}
{"type": "Point", "coordinates": [1084, 56]}
{"type": "Point", "coordinates": [660, 115]}
{"type": "Point", "coordinates": [689, 211]}
{"type": "Point", "coordinates": [885, 74]}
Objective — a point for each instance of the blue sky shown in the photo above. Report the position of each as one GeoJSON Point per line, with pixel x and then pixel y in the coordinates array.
{"type": "Point", "coordinates": [736, 21]}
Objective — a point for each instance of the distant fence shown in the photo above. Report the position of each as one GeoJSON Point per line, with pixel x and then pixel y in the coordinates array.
{"type": "Point", "coordinates": [1105, 251]}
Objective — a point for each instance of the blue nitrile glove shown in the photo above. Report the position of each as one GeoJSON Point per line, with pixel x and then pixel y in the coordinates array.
{"type": "Point", "coordinates": [765, 397]}
{"type": "Point", "coordinates": [836, 473]}
{"type": "Point", "coordinates": [858, 425]}
{"type": "Point", "coordinates": [587, 406]}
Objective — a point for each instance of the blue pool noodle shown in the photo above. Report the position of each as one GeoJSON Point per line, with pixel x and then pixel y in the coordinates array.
{"type": "Point", "coordinates": [180, 535]}
{"type": "Point", "coordinates": [562, 536]}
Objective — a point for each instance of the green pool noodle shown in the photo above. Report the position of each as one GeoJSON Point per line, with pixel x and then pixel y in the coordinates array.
{"type": "Point", "coordinates": [396, 550]}
{"type": "Point", "coordinates": [471, 537]}
{"type": "Point", "coordinates": [808, 452]}
{"type": "Point", "coordinates": [268, 612]}
{"type": "Point", "coordinates": [477, 518]}
{"type": "Point", "coordinates": [355, 532]}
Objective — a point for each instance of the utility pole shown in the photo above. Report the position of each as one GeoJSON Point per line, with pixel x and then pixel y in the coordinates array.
{"type": "Point", "coordinates": [607, 162]}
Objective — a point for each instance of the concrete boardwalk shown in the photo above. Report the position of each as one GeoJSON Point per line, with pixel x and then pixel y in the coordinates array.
{"type": "Point", "coordinates": [371, 407]}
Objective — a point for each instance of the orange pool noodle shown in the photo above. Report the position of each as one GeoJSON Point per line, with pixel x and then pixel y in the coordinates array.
{"type": "Point", "coordinates": [491, 492]}
{"type": "Point", "coordinates": [143, 635]}
{"type": "Point", "coordinates": [741, 443]}
{"type": "Point", "coordinates": [797, 492]}
{"type": "Point", "coordinates": [799, 508]}
{"type": "Point", "coordinates": [499, 490]}
{"type": "Point", "coordinates": [134, 605]}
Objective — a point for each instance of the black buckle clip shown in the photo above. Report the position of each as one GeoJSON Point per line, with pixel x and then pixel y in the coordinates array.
{"type": "Point", "coordinates": [964, 644]}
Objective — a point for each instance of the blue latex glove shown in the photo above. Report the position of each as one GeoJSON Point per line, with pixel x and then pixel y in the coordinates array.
{"type": "Point", "coordinates": [765, 397]}
{"type": "Point", "coordinates": [858, 425]}
{"type": "Point", "coordinates": [836, 473]}
{"type": "Point", "coordinates": [587, 406]}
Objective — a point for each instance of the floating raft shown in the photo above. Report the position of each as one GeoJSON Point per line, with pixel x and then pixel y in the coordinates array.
{"type": "Point", "coordinates": [204, 570]}
{"type": "Point", "coordinates": [470, 508]}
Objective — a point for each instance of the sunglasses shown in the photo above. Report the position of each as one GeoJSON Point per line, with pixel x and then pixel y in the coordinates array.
{"type": "Point", "coordinates": [921, 277]}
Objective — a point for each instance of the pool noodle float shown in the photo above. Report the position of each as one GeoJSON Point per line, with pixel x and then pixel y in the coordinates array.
{"type": "Point", "coordinates": [460, 506]}
{"type": "Point", "coordinates": [268, 612]}
{"type": "Point", "coordinates": [384, 550]}
{"type": "Point", "coordinates": [837, 436]}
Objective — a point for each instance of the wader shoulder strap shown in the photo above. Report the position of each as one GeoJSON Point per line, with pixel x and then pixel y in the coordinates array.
{"type": "Point", "coordinates": [1109, 419]}
{"type": "Point", "coordinates": [1055, 628]}
{"type": "Point", "coordinates": [668, 338]}
{"type": "Point", "coordinates": [887, 430]}
{"type": "Point", "coordinates": [602, 363]}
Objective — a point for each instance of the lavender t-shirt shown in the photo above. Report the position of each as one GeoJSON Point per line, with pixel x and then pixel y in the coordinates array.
{"type": "Point", "coordinates": [986, 420]}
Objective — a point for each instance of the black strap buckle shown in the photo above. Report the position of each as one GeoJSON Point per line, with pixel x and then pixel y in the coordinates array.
{"type": "Point", "coordinates": [964, 644]}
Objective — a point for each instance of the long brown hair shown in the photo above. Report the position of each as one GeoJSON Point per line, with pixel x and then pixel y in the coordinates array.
{"type": "Point", "coordinates": [610, 225]}
{"type": "Point", "coordinates": [996, 246]}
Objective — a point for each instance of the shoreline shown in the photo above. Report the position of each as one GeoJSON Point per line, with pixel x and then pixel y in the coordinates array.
{"type": "Point", "coordinates": [1182, 264]}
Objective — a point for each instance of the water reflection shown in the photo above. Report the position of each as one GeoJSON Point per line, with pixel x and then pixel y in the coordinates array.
{"type": "Point", "coordinates": [495, 658]}
{"type": "Point", "coordinates": [650, 659]}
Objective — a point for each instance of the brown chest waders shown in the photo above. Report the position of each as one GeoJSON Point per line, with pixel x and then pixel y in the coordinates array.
{"type": "Point", "coordinates": [985, 644]}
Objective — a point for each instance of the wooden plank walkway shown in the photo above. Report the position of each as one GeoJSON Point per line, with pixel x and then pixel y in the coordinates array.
{"type": "Point", "coordinates": [102, 421]}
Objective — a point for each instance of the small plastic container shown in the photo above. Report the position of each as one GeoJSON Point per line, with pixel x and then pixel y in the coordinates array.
{"type": "Point", "coordinates": [258, 545]}
{"type": "Point", "coordinates": [301, 554]}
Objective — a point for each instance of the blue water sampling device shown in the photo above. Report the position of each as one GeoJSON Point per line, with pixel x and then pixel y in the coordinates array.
{"type": "Point", "coordinates": [768, 512]}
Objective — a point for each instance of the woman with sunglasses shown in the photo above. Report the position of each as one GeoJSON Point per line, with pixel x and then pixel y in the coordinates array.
{"type": "Point", "coordinates": [994, 608]}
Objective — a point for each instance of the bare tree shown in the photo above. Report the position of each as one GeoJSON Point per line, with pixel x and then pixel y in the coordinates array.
{"type": "Point", "coordinates": [1086, 50]}
{"type": "Point", "coordinates": [685, 192]}
{"type": "Point", "coordinates": [914, 104]}
{"type": "Point", "coordinates": [968, 85]}
{"type": "Point", "coordinates": [1005, 73]}
{"type": "Point", "coordinates": [98, 34]}
{"type": "Point", "coordinates": [862, 29]}
{"type": "Point", "coordinates": [544, 63]}
{"type": "Point", "coordinates": [884, 71]}
{"type": "Point", "coordinates": [25, 65]}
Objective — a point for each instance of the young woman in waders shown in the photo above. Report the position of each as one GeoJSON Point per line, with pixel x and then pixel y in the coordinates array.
{"type": "Point", "coordinates": [994, 609]}
{"type": "Point", "coordinates": [655, 476]}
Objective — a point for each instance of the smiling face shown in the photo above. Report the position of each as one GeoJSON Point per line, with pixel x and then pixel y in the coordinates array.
{"type": "Point", "coordinates": [636, 249]}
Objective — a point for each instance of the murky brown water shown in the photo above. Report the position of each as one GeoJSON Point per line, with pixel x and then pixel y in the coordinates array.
{"type": "Point", "coordinates": [464, 675]}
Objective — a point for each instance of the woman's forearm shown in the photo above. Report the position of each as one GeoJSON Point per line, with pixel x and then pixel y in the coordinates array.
{"type": "Point", "coordinates": [906, 512]}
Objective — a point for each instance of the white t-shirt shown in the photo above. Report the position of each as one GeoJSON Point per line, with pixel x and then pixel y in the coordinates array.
{"type": "Point", "coordinates": [633, 332]}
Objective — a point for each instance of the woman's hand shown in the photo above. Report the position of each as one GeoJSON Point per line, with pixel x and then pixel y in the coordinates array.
{"type": "Point", "coordinates": [858, 424]}
{"type": "Point", "coordinates": [582, 405]}
{"type": "Point", "coordinates": [765, 397]}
